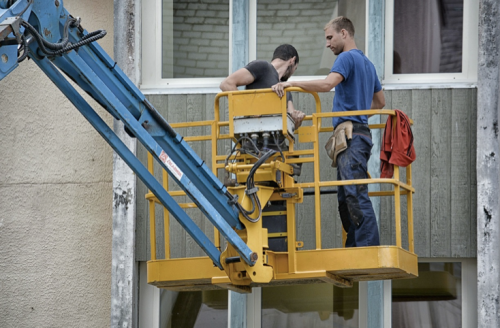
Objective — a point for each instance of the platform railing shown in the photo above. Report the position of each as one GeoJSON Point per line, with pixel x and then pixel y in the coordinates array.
{"type": "Point", "coordinates": [401, 188]}
{"type": "Point", "coordinates": [305, 134]}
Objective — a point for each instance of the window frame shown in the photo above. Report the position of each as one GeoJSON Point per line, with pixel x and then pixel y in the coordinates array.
{"type": "Point", "coordinates": [152, 81]}
{"type": "Point", "coordinates": [469, 51]}
{"type": "Point", "coordinates": [151, 32]}
{"type": "Point", "coordinates": [151, 36]}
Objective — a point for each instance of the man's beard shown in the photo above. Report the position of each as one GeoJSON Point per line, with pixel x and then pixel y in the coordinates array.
{"type": "Point", "coordinates": [287, 74]}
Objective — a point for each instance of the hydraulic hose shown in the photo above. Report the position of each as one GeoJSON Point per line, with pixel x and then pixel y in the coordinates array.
{"type": "Point", "coordinates": [55, 49]}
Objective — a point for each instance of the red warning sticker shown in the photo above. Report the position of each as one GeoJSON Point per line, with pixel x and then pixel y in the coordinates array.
{"type": "Point", "coordinates": [171, 165]}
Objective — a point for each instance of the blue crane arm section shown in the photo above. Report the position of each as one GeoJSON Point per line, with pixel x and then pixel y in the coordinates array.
{"type": "Point", "coordinates": [89, 66]}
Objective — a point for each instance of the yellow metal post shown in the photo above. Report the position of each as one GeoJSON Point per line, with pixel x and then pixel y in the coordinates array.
{"type": "Point", "coordinates": [166, 219]}
{"type": "Point", "coordinates": [397, 206]}
{"type": "Point", "coordinates": [214, 134]}
{"type": "Point", "coordinates": [317, 193]}
{"type": "Point", "coordinates": [152, 218]}
{"type": "Point", "coordinates": [409, 201]}
{"type": "Point", "coordinates": [292, 237]}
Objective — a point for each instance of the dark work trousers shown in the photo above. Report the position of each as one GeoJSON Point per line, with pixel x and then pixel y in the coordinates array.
{"type": "Point", "coordinates": [355, 207]}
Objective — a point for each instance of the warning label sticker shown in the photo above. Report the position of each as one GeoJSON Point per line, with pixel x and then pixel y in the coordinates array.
{"type": "Point", "coordinates": [171, 165]}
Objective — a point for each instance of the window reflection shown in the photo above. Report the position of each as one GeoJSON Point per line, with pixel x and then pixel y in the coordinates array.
{"type": "Point", "coordinates": [195, 38]}
{"type": "Point", "coordinates": [301, 25]}
{"type": "Point", "coordinates": [314, 305]}
{"type": "Point", "coordinates": [197, 309]}
{"type": "Point", "coordinates": [428, 36]}
{"type": "Point", "coordinates": [432, 300]}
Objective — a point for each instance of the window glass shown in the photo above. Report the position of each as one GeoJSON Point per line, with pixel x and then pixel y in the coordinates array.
{"type": "Point", "coordinates": [301, 23]}
{"type": "Point", "coordinates": [428, 36]}
{"type": "Point", "coordinates": [197, 309]}
{"type": "Point", "coordinates": [195, 38]}
{"type": "Point", "coordinates": [313, 305]}
{"type": "Point", "coordinates": [432, 300]}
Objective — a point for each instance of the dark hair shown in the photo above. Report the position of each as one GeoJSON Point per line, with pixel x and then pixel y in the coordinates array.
{"type": "Point", "coordinates": [341, 23]}
{"type": "Point", "coordinates": [285, 52]}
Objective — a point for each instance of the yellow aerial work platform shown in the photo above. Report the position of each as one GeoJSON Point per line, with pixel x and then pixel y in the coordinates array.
{"type": "Point", "coordinates": [274, 182]}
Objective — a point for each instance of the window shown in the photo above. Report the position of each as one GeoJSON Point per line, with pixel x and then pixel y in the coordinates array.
{"type": "Point", "coordinates": [434, 299]}
{"type": "Point", "coordinates": [301, 25]}
{"type": "Point", "coordinates": [431, 41]}
{"type": "Point", "coordinates": [196, 309]}
{"type": "Point", "coordinates": [195, 38]}
{"type": "Point", "coordinates": [444, 295]}
{"type": "Point", "coordinates": [187, 44]}
{"type": "Point", "coordinates": [161, 308]}
{"type": "Point", "coordinates": [310, 305]}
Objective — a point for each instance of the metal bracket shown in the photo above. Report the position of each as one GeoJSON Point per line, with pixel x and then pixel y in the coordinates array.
{"type": "Point", "coordinates": [8, 26]}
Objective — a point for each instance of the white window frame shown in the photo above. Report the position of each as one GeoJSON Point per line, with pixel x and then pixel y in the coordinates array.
{"type": "Point", "coordinates": [469, 51]}
{"type": "Point", "coordinates": [151, 33]}
{"type": "Point", "coordinates": [152, 81]}
{"type": "Point", "coordinates": [151, 41]}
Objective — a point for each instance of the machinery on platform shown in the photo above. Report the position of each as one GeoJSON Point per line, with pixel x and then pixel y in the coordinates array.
{"type": "Point", "coordinates": [260, 168]}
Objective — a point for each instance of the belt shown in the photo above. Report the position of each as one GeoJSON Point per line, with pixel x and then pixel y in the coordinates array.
{"type": "Point", "coordinates": [361, 128]}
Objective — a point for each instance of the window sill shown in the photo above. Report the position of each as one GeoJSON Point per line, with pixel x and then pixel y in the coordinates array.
{"type": "Point", "coordinates": [443, 85]}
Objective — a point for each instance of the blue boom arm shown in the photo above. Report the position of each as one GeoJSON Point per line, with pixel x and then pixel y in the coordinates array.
{"type": "Point", "coordinates": [45, 32]}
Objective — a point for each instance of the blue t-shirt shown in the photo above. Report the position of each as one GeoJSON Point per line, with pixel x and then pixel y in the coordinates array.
{"type": "Point", "coordinates": [357, 89]}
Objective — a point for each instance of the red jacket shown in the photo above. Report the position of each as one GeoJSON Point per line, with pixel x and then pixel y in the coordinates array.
{"type": "Point", "coordinates": [397, 145]}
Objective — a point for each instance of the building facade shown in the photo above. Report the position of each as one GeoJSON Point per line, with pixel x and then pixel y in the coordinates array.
{"type": "Point", "coordinates": [437, 62]}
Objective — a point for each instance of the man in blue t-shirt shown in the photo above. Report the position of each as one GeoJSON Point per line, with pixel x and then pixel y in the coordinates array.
{"type": "Point", "coordinates": [356, 88]}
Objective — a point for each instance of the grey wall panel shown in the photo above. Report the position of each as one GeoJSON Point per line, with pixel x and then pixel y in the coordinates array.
{"type": "Point", "coordinates": [305, 212]}
{"type": "Point", "coordinates": [421, 109]}
{"type": "Point", "coordinates": [473, 179]}
{"type": "Point", "coordinates": [443, 174]}
{"type": "Point", "coordinates": [332, 231]}
{"type": "Point", "coordinates": [460, 172]}
{"type": "Point", "coordinates": [331, 227]}
{"type": "Point", "coordinates": [440, 173]}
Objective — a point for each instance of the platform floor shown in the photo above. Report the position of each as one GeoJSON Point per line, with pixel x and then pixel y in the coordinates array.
{"type": "Point", "coordinates": [341, 267]}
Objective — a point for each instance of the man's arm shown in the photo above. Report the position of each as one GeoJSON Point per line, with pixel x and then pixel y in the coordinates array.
{"type": "Point", "coordinates": [238, 78]}
{"type": "Point", "coordinates": [324, 85]}
{"type": "Point", "coordinates": [378, 101]}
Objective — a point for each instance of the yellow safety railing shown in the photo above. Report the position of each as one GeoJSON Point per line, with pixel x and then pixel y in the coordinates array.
{"type": "Point", "coordinates": [306, 134]}
{"type": "Point", "coordinates": [400, 187]}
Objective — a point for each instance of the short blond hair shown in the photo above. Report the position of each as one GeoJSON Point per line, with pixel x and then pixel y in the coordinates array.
{"type": "Point", "coordinates": [341, 23]}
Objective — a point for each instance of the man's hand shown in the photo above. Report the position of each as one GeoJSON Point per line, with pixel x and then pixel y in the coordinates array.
{"type": "Point", "coordinates": [278, 88]}
{"type": "Point", "coordinates": [297, 116]}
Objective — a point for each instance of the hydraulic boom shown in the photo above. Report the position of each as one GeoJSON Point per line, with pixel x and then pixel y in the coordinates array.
{"type": "Point", "coordinates": [43, 31]}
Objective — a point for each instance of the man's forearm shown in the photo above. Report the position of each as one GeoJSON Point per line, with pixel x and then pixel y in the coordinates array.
{"type": "Point", "coordinates": [315, 85]}
{"type": "Point", "coordinates": [378, 101]}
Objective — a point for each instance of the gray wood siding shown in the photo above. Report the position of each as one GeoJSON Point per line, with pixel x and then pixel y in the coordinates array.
{"type": "Point", "coordinates": [444, 175]}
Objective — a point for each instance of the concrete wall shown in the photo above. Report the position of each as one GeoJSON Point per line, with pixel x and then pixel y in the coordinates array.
{"type": "Point", "coordinates": [55, 199]}
{"type": "Point", "coordinates": [488, 166]}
